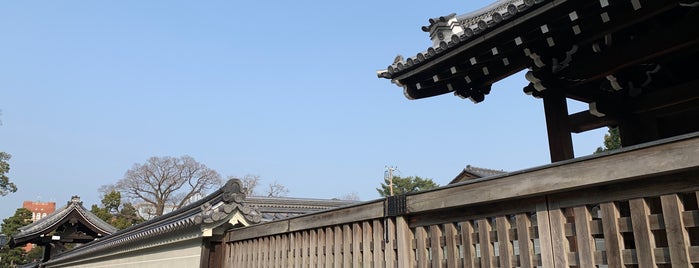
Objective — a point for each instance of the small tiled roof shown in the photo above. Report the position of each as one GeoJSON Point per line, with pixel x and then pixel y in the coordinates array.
{"type": "Point", "coordinates": [471, 172]}
{"type": "Point", "coordinates": [277, 208]}
{"type": "Point", "coordinates": [52, 221]}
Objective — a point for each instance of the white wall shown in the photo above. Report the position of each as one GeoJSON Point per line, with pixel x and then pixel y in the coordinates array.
{"type": "Point", "coordinates": [184, 254]}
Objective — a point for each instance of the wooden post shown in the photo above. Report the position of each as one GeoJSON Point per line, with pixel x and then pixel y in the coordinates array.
{"type": "Point", "coordinates": [404, 239]}
{"type": "Point", "coordinates": [677, 237]}
{"type": "Point", "coordinates": [558, 127]}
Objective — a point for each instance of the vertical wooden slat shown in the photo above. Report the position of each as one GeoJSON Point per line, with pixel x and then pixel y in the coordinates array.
{"type": "Point", "coordinates": [436, 246]}
{"type": "Point", "coordinates": [367, 237]}
{"type": "Point", "coordinates": [377, 244]}
{"type": "Point", "coordinates": [356, 245]}
{"type": "Point", "coordinates": [305, 248]}
{"type": "Point", "coordinates": [468, 252]}
{"type": "Point", "coordinates": [244, 252]}
{"type": "Point", "coordinates": [583, 235]}
{"type": "Point", "coordinates": [265, 252]}
{"type": "Point", "coordinates": [487, 250]}
{"type": "Point", "coordinates": [280, 251]}
{"type": "Point", "coordinates": [545, 240]}
{"type": "Point", "coordinates": [346, 245]}
{"type": "Point", "coordinates": [274, 246]}
{"type": "Point", "coordinates": [337, 247]}
{"type": "Point", "coordinates": [613, 241]}
{"type": "Point", "coordinates": [296, 249]}
{"type": "Point", "coordinates": [313, 248]}
{"type": "Point", "coordinates": [504, 244]}
{"type": "Point", "coordinates": [559, 242]}
{"type": "Point", "coordinates": [240, 252]}
{"type": "Point", "coordinates": [421, 247]}
{"type": "Point", "coordinates": [320, 251]}
{"type": "Point", "coordinates": [524, 240]}
{"type": "Point", "coordinates": [450, 239]}
{"type": "Point", "coordinates": [391, 258]}
{"type": "Point", "coordinates": [236, 255]}
{"type": "Point", "coordinates": [256, 253]}
{"type": "Point", "coordinates": [677, 236]}
{"type": "Point", "coordinates": [404, 238]}
{"type": "Point", "coordinates": [643, 237]}
{"type": "Point", "coordinates": [329, 244]}
{"type": "Point", "coordinates": [285, 260]}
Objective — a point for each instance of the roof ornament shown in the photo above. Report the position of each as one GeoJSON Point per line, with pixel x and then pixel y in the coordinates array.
{"type": "Point", "coordinates": [75, 200]}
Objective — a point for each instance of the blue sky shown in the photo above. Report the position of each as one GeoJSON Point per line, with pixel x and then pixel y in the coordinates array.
{"type": "Point", "coordinates": [286, 90]}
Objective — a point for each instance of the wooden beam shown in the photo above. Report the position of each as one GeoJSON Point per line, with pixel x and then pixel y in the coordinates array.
{"type": "Point", "coordinates": [658, 42]}
{"type": "Point", "coordinates": [584, 121]}
{"type": "Point", "coordinates": [558, 127]}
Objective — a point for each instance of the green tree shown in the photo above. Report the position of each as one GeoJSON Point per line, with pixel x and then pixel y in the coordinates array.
{"type": "Point", "coordinates": [6, 186]}
{"type": "Point", "coordinates": [612, 140]}
{"type": "Point", "coordinates": [10, 257]}
{"type": "Point", "coordinates": [405, 185]}
{"type": "Point", "coordinates": [113, 212]}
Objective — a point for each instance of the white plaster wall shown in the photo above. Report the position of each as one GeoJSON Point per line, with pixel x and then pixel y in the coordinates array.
{"type": "Point", "coordinates": [184, 254]}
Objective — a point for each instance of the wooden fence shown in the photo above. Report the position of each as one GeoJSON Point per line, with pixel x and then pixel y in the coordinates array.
{"type": "Point", "coordinates": [633, 208]}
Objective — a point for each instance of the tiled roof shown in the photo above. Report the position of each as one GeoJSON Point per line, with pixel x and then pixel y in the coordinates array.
{"type": "Point", "coordinates": [190, 221]}
{"type": "Point", "coordinates": [448, 31]}
{"type": "Point", "coordinates": [183, 223]}
{"type": "Point", "coordinates": [52, 221]}
{"type": "Point", "coordinates": [277, 208]}
{"type": "Point", "coordinates": [471, 172]}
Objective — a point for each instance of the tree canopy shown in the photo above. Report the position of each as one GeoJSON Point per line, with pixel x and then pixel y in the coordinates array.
{"type": "Point", "coordinates": [15, 256]}
{"type": "Point", "coordinates": [170, 182]}
{"type": "Point", "coordinates": [612, 140]}
{"type": "Point", "coordinates": [6, 186]}
{"type": "Point", "coordinates": [405, 185]}
{"type": "Point", "coordinates": [116, 214]}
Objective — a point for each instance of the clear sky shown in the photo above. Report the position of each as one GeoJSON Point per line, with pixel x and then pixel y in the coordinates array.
{"type": "Point", "coordinates": [286, 90]}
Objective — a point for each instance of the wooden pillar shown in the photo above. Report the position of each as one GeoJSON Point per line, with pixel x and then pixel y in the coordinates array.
{"type": "Point", "coordinates": [558, 127]}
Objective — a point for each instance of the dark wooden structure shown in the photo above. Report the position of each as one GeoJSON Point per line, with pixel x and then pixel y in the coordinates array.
{"type": "Point", "coordinates": [631, 61]}
{"type": "Point", "coordinates": [73, 224]}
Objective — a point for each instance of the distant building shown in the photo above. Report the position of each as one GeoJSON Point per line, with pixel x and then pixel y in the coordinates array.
{"type": "Point", "coordinates": [39, 211]}
{"type": "Point", "coordinates": [471, 172]}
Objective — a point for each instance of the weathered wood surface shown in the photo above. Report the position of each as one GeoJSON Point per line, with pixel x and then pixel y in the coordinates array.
{"type": "Point", "coordinates": [564, 224]}
{"type": "Point", "coordinates": [642, 162]}
{"type": "Point", "coordinates": [614, 242]}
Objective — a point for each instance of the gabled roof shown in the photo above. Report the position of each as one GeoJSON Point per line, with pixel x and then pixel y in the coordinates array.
{"type": "Point", "coordinates": [72, 211]}
{"type": "Point", "coordinates": [471, 172]}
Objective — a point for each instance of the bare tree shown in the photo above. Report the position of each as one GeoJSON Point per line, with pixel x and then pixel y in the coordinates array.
{"type": "Point", "coordinates": [168, 181]}
{"type": "Point", "coordinates": [353, 196]}
{"type": "Point", "coordinates": [276, 190]}
{"type": "Point", "coordinates": [250, 182]}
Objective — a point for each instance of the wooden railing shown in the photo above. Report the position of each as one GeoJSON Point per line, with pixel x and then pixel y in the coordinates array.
{"type": "Point", "coordinates": [633, 208]}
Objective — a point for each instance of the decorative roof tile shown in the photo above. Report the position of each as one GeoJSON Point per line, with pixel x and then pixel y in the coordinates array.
{"type": "Point", "coordinates": [448, 31]}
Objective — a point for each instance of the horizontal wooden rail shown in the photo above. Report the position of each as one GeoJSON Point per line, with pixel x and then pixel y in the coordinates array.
{"type": "Point", "coordinates": [636, 206]}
